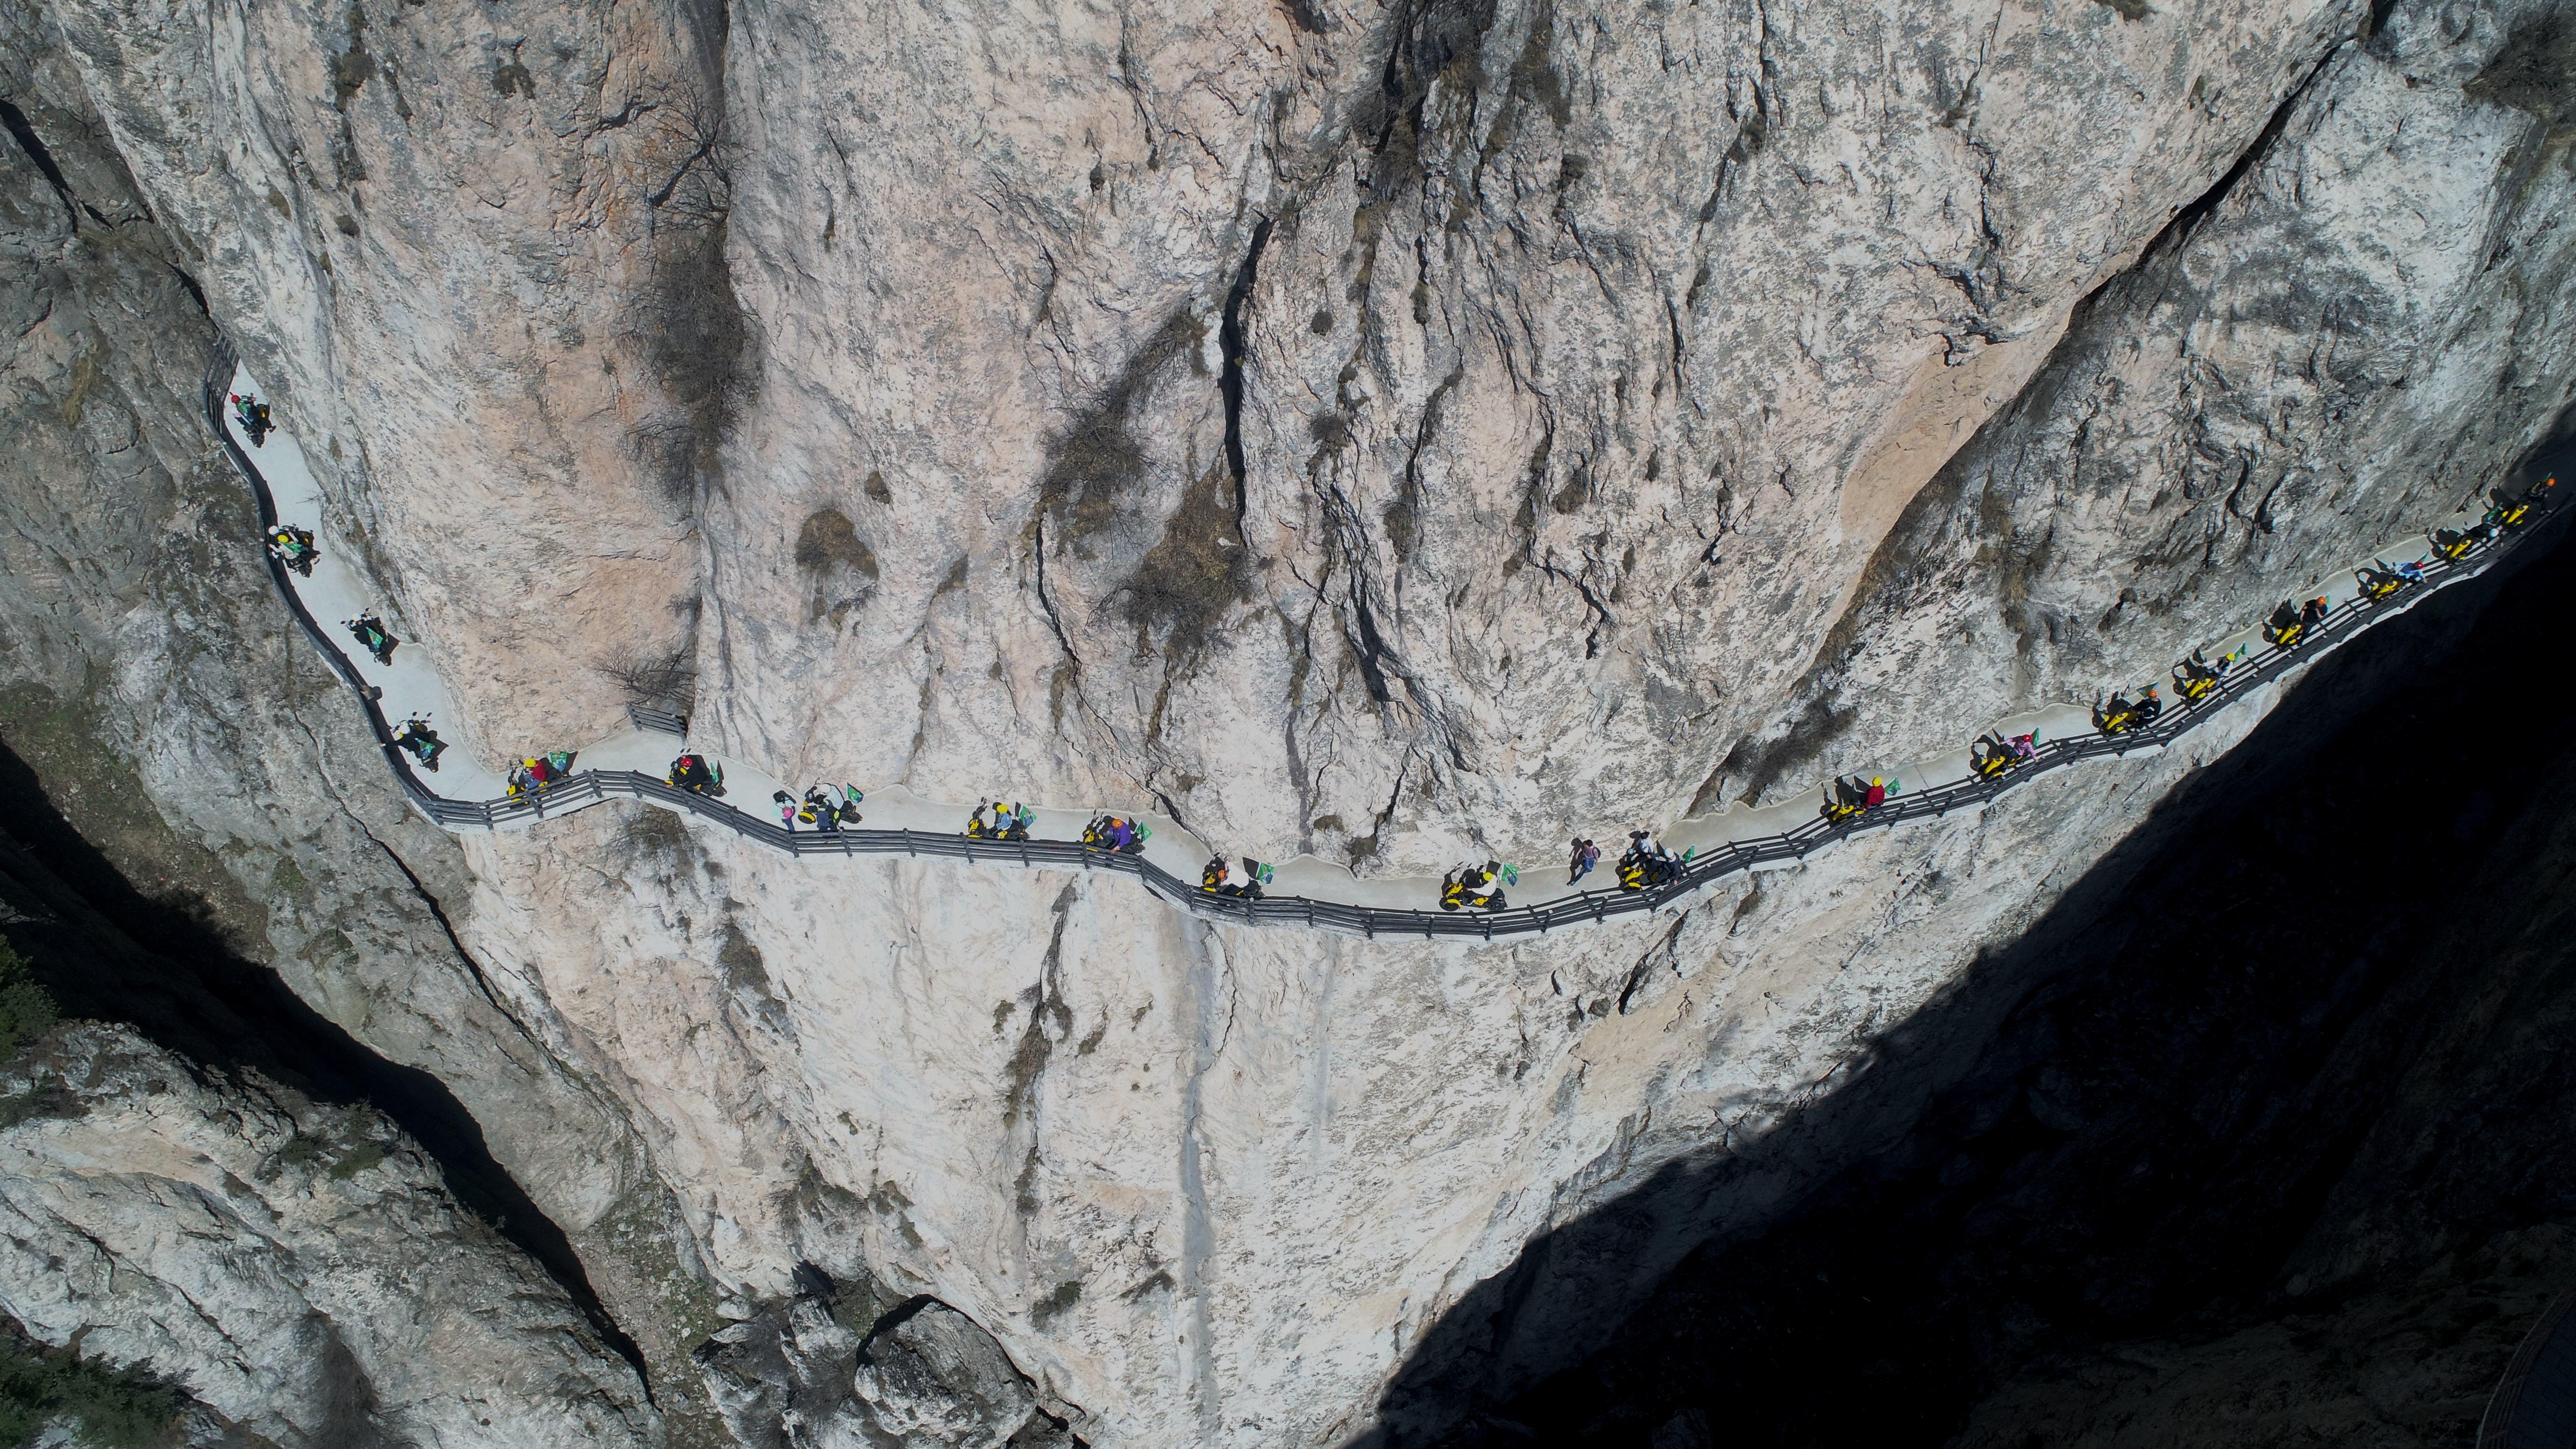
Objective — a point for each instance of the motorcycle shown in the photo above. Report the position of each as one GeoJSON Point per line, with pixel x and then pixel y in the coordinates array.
{"type": "Point", "coordinates": [1000, 824]}
{"type": "Point", "coordinates": [1117, 835]}
{"type": "Point", "coordinates": [2285, 628]}
{"type": "Point", "coordinates": [2510, 513]}
{"type": "Point", "coordinates": [423, 742]}
{"type": "Point", "coordinates": [371, 634]}
{"type": "Point", "coordinates": [534, 775]}
{"type": "Point", "coordinates": [2454, 544]}
{"type": "Point", "coordinates": [698, 775]}
{"type": "Point", "coordinates": [1848, 799]}
{"type": "Point", "coordinates": [1640, 869]}
{"type": "Point", "coordinates": [2196, 679]}
{"type": "Point", "coordinates": [2379, 583]}
{"type": "Point", "coordinates": [1993, 756]}
{"type": "Point", "coordinates": [293, 548]}
{"type": "Point", "coordinates": [253, 418]}
{"type": "Point", "coordinates": [1477, 887]}
{"type": "Point", "coordinates": [1223, 878]}
{"type": "Point", "coordinates": [825, 810]}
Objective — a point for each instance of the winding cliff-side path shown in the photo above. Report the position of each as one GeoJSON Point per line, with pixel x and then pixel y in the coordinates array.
{"type": "Point", "coordinates": [469, 795]}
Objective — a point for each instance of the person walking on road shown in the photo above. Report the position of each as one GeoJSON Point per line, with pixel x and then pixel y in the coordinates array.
{"type": "Point", "coordinates": [1586, 856]}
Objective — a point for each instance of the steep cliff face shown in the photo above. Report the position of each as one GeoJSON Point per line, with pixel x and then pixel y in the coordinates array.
{"type": "Point", "coordinates": [301, 1278]}
{"type": "Point", "coordinates": [152, 695]}
{"type": "Point", "coordinates": [2255, 1139]}
{"type": "Point", "coordinates": [1385, 433]}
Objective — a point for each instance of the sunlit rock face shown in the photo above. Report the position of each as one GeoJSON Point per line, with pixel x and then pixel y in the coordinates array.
{"type": "Point", "coordinates": [1385, 433]}
{"type": "Point", "coordinates": [294, 1265]}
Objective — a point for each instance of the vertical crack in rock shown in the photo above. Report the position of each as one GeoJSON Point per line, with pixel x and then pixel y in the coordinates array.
{"type": "Point", "coordinates": [1208, 1040]}
{"type": "Point", "coordinates": [1817, 721]}
{"type": "Point", "coordinates": [1229, 341]}
{"type": "Point", "coordinates": [2188, 218]}
{"type": "Point", "coordinates": [1050, 1021]}
{"type": "Point", "coordinates": [34, 146]}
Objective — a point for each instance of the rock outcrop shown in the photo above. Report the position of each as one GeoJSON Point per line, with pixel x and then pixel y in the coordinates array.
{"type": "Point", "coordinates": [923, 1376]}
{"type": "Point", "coordinates": [296, 1267]}
{"type": "Point", "coordinates": [1388, 434]}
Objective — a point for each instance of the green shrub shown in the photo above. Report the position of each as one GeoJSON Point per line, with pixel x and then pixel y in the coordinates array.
{"type": "Point", "coordinates": [360, 1158]}
{"type": "Point", "coordinates": [40, 1386]}
{"type": "Point", "coordinates": [26, 1008]}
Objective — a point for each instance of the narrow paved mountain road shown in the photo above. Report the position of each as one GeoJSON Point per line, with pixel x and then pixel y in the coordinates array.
{"type": "Point", "coordinates": [465, 793]}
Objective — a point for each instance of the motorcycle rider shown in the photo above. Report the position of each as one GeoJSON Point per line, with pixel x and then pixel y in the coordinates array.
{"type": "Point", "coordinates": [253, 417]}
{"type": "Point", "coordinates": [371, 633]}
{"type": "Point", "coordinates": [1224, 877]}
{"type": "Point", "coordinates": [2282, 629]}
{"type": "Point", "coordinates": [692, 772]}
{"type": "Point", "coordinates": [294, 548]}
{"type": "Point", "coordinates": [822, 808]}
{"type": "Point", "coordinates": [422, 741]}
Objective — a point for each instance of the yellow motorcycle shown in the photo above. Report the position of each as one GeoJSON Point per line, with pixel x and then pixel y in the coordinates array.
{"type": "Point", "coordinates": [2379, 583]}
{"type": "Point", "coordinates": [1847, 799]}
{"type": "Point", "coordinates": [2196, 679]}
{"type": "Point", "coordinates": [2510, 513]}
{"type": "Point", "coordinates": [2454, 544]}
{"type": "Point", "coordinates": [1477, 887]}
{"type": "Point", "coordinates": [2290, 624]}
{"type": "Point", "coordinates": [1640, 869]}
{"type": "Point", "coordinates": [991, 821]}
{"type": "Point", "coordinates": [1993, 756]}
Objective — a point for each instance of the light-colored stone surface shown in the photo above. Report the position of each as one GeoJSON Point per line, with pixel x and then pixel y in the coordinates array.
{"type": "Point", "coordinates": [293, 1265]}
{"type": "Point", "coordinates": [1594, 472]}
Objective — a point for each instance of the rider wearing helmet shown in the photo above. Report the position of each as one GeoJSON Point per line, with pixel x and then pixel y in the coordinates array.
{"type": "Point", "coordinates": [422, 741]}
{"type": "Point", "coordinates": [694, 773]}
{"type": "Point", "coordinates": [370, 632]}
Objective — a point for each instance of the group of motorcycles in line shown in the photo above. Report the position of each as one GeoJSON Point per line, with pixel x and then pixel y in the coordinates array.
{"type": "Point", "coordinates": [1644, 865]}
{"type": "Point", "coordinates": [2196, 679]}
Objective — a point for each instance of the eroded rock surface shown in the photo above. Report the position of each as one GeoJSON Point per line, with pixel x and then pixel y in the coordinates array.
{"type": "Point", "coordinates": [296, 1267]}
{"type": "Point", "coordinates": [923, 1377]}
{"type": "Point", "coordinates": [1385, 433]}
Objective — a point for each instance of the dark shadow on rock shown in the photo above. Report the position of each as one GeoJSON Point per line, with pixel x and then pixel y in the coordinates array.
{"type": "Point", "coordinates": [2132, 1115]}
{"type": "Point", "coordinates": [108, 951]}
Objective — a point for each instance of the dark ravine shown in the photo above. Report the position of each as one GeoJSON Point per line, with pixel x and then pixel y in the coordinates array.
{"type": "Point", "coordinates": [2269, 1102]}
{"type": "Point", "coordinates": [109, 951]}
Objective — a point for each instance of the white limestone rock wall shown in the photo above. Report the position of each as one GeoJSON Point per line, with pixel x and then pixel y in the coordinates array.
{"type": "Point", "coordinates": [1536, 305]}
{"type": "Point", "coordinates": [170, 710]}
{"type": "Point", "coordinates": [1210, 1185]}
{"type": "Point", "coordinates": [295, 1266]}
{"type": "Point", "coordinates": [1611, 388]}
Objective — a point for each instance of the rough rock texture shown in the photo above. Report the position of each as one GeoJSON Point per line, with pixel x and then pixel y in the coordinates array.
{"type": "Point", "coordinates": [1384, 432]}
{"type": "Point", "coordinates": [923, 1377]}
{"type": "Point", "coordinates": [2257, 1139]}
{"type": "Point", "coordinates": [297, 1267]}
{"type": "Point", "coordinates": [154, 691]}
